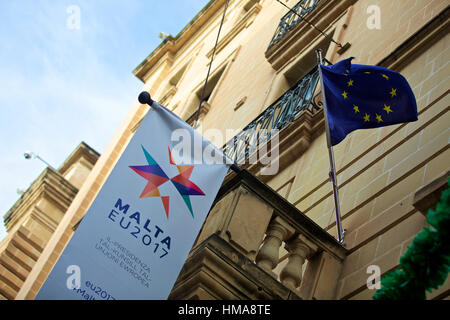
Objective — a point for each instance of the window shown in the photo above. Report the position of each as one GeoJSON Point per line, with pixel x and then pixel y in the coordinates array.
{"type": "Point", "coordinates": [176, 78]}
{"type": "Point", "coordinates": [299, 69]}
{"type": "Point", "coordinates": [247, 7]}
{"type": "Point", "coordinates": [209, 91]}
{"type": "Point", "coordinates": [296, 70]}
{"type": "Point", "coordinates": [171, 87]}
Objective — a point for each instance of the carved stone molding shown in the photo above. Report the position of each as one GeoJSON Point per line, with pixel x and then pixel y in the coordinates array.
{"type": "Point", "coordinates": [51, 185]}
{"type": "Point", "coordinates": [216, 270]}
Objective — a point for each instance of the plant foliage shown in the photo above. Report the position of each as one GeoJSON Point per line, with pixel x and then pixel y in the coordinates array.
{"type": "Point", "coordinates": [426, 263]}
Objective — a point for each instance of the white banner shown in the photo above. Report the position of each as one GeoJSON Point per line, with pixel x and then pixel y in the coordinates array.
{"type": "Point", "coordinates": [135, 237]}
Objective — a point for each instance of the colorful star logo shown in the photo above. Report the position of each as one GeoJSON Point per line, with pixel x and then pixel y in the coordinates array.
{"type": "Point", "coordinates": [156, 177]}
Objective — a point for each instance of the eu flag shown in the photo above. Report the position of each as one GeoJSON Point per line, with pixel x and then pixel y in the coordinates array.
{"type": "Point", "coordinates": [362, 97]}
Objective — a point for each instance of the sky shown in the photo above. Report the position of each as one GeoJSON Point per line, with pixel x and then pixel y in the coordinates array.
{"type": "Point", "coordinates": [66, 76]}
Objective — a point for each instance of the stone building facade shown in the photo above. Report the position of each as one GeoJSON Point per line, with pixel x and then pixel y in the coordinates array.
{"type": "Point", "coordinates": [33, 219]}
{"type": "Point", "coordinates": [272, 236]}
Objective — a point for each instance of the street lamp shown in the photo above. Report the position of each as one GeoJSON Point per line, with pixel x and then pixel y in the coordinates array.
{"type": "Point", "coordinates": [31, 155]}
{"type": "Point", "coordinates": [163, 35]}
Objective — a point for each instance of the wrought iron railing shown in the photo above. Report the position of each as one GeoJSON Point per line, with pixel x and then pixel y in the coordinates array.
{"type": "Point", "coordinates": [292, 18]}
{"type": "Point", "coordinates": [277, 116]}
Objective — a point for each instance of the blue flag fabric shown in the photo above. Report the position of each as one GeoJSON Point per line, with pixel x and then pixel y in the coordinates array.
{"type": "Point", "coordinates": [363, 97]}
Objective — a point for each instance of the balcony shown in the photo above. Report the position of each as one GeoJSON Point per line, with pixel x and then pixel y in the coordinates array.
{"type": "Point", "coordinates": [292, 18]}
{"type": "Point", "coordinates": [295, 37]}
{"type": "Point", "coordinates": [296, 117]}
{"type": "Point", "coordinates": [254, 244]}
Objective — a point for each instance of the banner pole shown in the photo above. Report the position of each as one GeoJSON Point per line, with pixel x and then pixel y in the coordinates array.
{"type": "Point", "coordinates": [145, 98]}
{"type": "Point", "coordinates": [332, 173]}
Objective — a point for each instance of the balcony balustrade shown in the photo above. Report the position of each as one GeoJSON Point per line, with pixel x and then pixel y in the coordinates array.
{"type": "Point", "coordinates": [254, 244]}
{"type": "Point", "coordinates": [276, 117]}
{"type": "Point", "coordinates": [292, 18]}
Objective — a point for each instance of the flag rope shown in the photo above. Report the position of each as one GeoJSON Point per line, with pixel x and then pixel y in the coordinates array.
{"type": "Point", "coordinates": [209, 68]}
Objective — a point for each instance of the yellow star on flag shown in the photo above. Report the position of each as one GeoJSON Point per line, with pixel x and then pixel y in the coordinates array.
{"type": "Point", "coordinates": [385, 76]}
{"type": "Point", "coordinates": [387, 109]}
{"type": "Point", "coordinates": [367, 118]}
{"type": "Point", "coordinates": [344, 94]}
{"type": "Point", "coordinates": [356, 108]}
{"type": "Point", "coordinates": [378, 118]}
{"type": "Point", "coordinates": [393, 92]}
{"type": "Point", "coordinates": [350, 83]}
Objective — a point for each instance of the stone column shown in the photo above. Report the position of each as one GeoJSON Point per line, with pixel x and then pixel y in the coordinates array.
{"type": "Point", "coordinates": [277, 232]}
{"type": "Point", "coordinates": [300, 249]}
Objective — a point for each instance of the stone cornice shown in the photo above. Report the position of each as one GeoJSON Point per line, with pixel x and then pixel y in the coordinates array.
{"type": "Point", "coordinates": [50, 183]}
{"type": "Point", "coordinates": [44, 219]}
{"type": "Point", "coordinates": [204, 109]}
{"type": "Point", "coordinates": [83, 150]}
{"type": "Point", "coordinates": [173, 44]}
{"type": "Point", "coordinates": [166, 98]}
